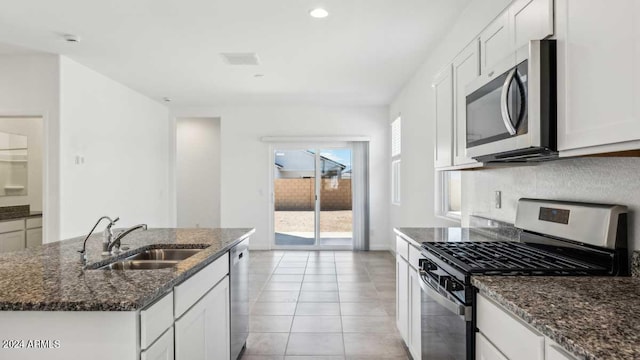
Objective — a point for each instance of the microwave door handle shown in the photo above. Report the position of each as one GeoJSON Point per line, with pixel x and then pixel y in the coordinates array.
{"type": "Point", "coordinates": [504, 103]}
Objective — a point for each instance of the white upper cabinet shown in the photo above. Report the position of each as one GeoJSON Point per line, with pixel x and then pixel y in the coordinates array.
{"type": "Point", "coordinates": [531, 20]}
{"type": "Point", "coordinates": [496, 47]}
{"type": "Point", "coordinates": [443, 91]}
{"type": "Point", "coordinates": [598, 76]}
{"type": "Point", "coordinates": [466, 68]}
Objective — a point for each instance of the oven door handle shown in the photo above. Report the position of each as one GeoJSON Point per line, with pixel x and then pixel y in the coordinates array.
{"type": "Point", "coordinates": [504, 103]}
{"type": "Point", "coordinates": [449, 304]}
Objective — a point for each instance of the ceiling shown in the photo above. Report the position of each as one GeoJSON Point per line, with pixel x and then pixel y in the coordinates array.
{"type": "Point", "coordinates": [360, 55]}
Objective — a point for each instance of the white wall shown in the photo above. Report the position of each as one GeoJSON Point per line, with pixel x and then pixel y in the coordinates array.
{"type": "Point", "coordinates": [600, 180]}
{"type": "Point", "coordinates": [29, 86]}
{"type": "Point", "coordinates": [198, 172]}
{"type": "Point", "coordinates": [245, 158]}
{"type": "Point", "coordinates": [124, 139]}
{"type": "Point", "coordinates": [415, 102]}
{"type": "Point", "coordinates": [31, 127]}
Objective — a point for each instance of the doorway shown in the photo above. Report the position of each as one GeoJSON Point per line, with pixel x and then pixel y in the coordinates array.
{"type": "Point", "coordinates": [313, 197]}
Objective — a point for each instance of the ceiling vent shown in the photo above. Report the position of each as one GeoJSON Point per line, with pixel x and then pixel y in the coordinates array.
{"type": "Point", "coordinates": [241, 58]}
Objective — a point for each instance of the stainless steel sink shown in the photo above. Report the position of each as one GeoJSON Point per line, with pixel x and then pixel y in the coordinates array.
{"type": "Point", "coordinates": [152, 259]}
{"type": "Point", "coordinates": [164, 254]}
{"type": "Point", "coordinates": [139, 265]}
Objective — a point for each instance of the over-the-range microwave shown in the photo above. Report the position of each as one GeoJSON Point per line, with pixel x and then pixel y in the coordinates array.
{"type": "Point", "coordinates": [512, 117]}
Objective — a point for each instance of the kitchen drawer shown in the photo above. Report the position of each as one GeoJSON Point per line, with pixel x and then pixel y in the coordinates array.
{"type": "Point", "coordinates": [12, 241]}
{"type": "Point", "coordinates": [155, 319]}
{"type": "Point", "coordinates": [162, 349]}
{"type": "Point", "coordinates": [35, 222]}
{"type": "Point", "coordinates": [190, 291]}
{"type": "Point", "coordinates": [13, 225]}
{"type": "Point", "coordinates": [514, 338]}
{"type": "Point", "coordinates": [402, 247]}
{"type": "Point", "coordinates": [414, 257]}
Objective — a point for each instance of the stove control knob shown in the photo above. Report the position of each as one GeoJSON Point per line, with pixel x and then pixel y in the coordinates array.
{"type": "Point", "coordinates": [452, 285]}
{"type": "Point", "coordinates": [427, 265]}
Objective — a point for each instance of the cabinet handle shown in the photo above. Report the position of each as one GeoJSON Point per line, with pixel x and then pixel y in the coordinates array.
{"type": "Point", "coordinates": [490, 74]}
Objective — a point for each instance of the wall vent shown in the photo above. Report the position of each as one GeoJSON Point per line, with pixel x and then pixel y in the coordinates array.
{"type": "Point", "coordinates": [241, 58]}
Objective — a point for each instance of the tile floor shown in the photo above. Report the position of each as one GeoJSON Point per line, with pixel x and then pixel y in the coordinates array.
{"type": "Point", "coordinates": [318, 305]}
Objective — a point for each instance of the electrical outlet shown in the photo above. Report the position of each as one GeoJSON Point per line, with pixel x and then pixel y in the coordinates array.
{"type": "Point", "coordinates": [498, 199]}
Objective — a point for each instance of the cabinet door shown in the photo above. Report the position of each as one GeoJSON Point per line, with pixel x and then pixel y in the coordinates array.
{"type": "Point", "coordinates": [532, 20]}
{"type": "Point", "coordinates": [415, 314]}
{"type": "Point", "coordinates": [486, 351]}
{"type": "Point", "coordinates": [202, 333]}
{"type": "Point", "coordinates": [598, 74]}
{"type": "Point", "coordinates": [443, 90]}
{"type": "Point", "coordinates": [12, 241]}
{"type": "Point", "coordinates": [34, 237]}
{"type": "Point", "coordinates": [553, 351]}
{"type": "Point", "coordinates": [402, 297]}
{"type": "Point", "coordinates": [466, 68]}
{"type": "Point", "coordinates": [162, 349]}
{"type": "Point", "coordinates": [496, 47]}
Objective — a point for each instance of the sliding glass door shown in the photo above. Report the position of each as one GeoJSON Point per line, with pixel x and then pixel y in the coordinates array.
{"type": "Point", "coordinates": [312, 198]}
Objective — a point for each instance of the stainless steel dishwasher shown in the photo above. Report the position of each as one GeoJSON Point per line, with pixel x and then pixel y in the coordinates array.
{"type": "Point", "coordinates": [239, 278]}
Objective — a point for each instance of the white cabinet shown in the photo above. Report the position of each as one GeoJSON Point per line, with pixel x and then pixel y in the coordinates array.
{"type": "Point", "coordinates": [34, 237]}
{"type": "Point", "coordinates": [12, 241]}
{"type": "Point", "coordinates": [531, 20]}
{"type": "Point", "coordinates": [202, 333]}
{"type": "Point", "coordinates": [486, 351]}
{"type": "Point", "coordinates": [513, 338]}
{"type": "Point", "coordinates": [598, 76]}
{"type": "Point", "coordinates": [553, 351]}
{"type": "Point", "coordinates": [415, 315]}
{"type": "Point", "coordinates": [402, 297]}
{"type": "Point", "coordinates": [496, 48]}
{"type": "Point", "coordinates": [443, 91]}
{"type": "Point", "coordinates": [161, 349]}
{"type": "Point", "coordinates": [466, 68]}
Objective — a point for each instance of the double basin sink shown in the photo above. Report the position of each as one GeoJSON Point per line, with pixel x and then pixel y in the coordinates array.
{"type": "Point", "coordinates": [152, 259]}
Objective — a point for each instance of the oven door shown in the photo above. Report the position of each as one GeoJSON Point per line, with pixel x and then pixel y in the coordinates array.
{"type": "Point", "coordinates": [447, 328]}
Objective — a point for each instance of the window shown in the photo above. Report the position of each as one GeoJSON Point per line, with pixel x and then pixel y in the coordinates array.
{"type": "Point", "coordinates": [396, 150]}
{"type": "Point", "coordinates": [449, 191]}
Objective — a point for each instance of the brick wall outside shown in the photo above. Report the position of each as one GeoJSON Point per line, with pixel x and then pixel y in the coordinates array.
{"type": "Point", "coordinates": [297, 195]}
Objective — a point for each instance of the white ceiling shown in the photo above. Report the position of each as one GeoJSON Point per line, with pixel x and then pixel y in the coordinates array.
{"type": "Point", "coordinates": [360, 55]}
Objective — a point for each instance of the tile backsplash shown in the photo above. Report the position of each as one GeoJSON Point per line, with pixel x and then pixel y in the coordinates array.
{"type": "Point", "coordinates": [600, 180]}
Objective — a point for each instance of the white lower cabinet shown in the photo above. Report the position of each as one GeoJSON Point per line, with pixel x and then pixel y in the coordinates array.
{"type": "Point", "coordinates": [415, 315]}
{"type": "Point", "coordinates": [553, 351]}
{"type": "Point", "coordinates": [13, 241]}
{"type": "Point", "coordinates": [162, 349]}
{"type": "Point", "coordinates": [485, 349]}
{"type": "Point", "coordinates": [502, 336]}
{"type": "Point", "coordinates": [202, 333]}
{"type": "Point", "coordinates": [402, 296]}
{"type": "Point", "coordinates": [408, 299]}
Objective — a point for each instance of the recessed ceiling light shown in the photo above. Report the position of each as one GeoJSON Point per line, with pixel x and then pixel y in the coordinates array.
{"type": "Point", "coordinates": [70, 38]}
{"type": "Point", "coordinates": [319, 13]}
{"type": "Point", "coordinates": [166, 99]}
{"type": "Point", "coordinates": [258, 75]}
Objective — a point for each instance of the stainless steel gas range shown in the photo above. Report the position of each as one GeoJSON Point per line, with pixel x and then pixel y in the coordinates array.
{"type": "Point", "coordinates": [557, 238]}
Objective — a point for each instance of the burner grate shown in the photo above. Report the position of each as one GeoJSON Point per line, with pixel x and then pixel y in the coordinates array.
{"type": "Point", "coordinates": [506, 258]}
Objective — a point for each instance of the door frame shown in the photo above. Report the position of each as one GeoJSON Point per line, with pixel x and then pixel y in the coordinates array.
{"type": "Point", "coordinates": [318, 145]}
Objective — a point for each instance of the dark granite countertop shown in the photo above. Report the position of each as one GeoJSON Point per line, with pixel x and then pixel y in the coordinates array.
{"type": "Point", "coordinates": [51, 278]}
{"type": "Point", "coordinates": [591, 317]}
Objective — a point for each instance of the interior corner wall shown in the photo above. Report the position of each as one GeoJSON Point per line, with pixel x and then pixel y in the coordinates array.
{"type": "Point", "coordinates": [30, 86]}
{"type": "Point", "coordinates": [415, 103]}
{"type": "Point", "coordinates": [245, 168]}
{"type": "Point", "coordinates": [198, 172]}
{"type": "Point", "coordinates": [115, 151]}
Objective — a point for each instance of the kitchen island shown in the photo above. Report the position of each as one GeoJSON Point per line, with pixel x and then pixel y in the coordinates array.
{"type": "Point", "coordinates": [51, 306]}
